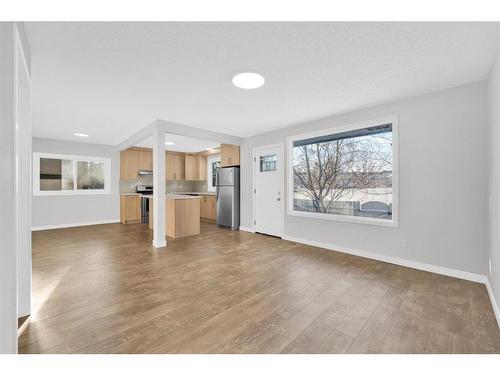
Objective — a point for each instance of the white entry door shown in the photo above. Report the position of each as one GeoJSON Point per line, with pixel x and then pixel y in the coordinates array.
{"type": "Point", "coordinates": [268, 194]}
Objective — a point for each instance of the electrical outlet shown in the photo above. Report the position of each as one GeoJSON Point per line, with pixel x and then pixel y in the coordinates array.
{"type": "Point", "coordinates": [404, 244]}
{"type": "Point", "coordinates": [363, 236]}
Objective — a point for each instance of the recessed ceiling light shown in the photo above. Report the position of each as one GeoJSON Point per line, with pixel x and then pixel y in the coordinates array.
{"type": "Point", "coordinates": [248, 80]}
{"type": "Point", "coordinates": [81, 135]}
{"type": "Point", "coordinates": [169, 143]}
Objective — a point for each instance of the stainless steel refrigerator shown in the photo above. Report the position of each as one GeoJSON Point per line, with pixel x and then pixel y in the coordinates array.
{"type": "Point", "coordinates": [227, 184]}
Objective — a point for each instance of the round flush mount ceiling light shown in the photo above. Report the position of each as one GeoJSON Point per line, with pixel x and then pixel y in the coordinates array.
{"type": "Point", "coordinates": [83, 135]}
{"type": "Point", "coordinates": [248, 80]}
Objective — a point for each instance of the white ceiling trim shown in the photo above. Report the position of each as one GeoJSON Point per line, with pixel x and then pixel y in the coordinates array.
{"type": "Point", "coordinates": [178, 129]}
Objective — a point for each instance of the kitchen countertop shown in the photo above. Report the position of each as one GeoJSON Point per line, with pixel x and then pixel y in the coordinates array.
{"type": "Point", "coordinates": [176, 196]}
{"type": "Point", "coordinates": [194, 192]}
{"type": "Point", "coordinates": [179, 194]}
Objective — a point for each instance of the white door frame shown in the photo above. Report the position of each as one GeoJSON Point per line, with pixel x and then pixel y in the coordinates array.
{"type": "Point", "coordinates": [23, 197]}
{"type": "Point", "coordinates": [281, 145]}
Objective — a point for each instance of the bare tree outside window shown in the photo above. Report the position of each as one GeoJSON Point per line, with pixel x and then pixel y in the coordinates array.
{"type": "Point", "coordinates": [90, 175]}
{"type": "Point", "coordinates": [345, 174]}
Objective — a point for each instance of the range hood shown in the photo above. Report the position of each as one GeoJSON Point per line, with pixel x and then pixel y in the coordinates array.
{"type": "Point", "coordinates": [145, 172]}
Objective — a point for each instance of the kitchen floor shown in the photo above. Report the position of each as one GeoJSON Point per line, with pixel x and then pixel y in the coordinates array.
{"type": "Point", "coordinates": [105, 289]}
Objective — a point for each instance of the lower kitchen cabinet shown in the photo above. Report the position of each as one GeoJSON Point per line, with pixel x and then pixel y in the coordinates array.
{"type": "Point", "coordinates": [208, 208]}
{"type": "Point", "coordinates": [130, 209]}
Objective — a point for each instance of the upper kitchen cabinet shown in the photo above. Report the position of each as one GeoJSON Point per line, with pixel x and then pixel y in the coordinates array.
{"type": "Point", "coordinates": [133, 160]}
{"type": "Point", "coordinates": [202, 168]}
{"type": "Point", "coordinates": [145, 159]}
{"type": "Point", "coordinates": [229, 155]}
{"type": "Point", "coordinates": [129, 164]}
{"type": "Point", "coordinates": [191, 167]}
{"type": "Point", "coordinates": [169, 166]}
{"type": "Point", "coordinates": [174, 166]}
{"type": "Point", "coordinates": [179, 167]}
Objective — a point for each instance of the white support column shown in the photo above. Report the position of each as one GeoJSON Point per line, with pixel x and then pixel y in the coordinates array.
{"type": "Point", "coordinates": [8, 255]}
{"type": "Point", "coordinates": [159, 188]}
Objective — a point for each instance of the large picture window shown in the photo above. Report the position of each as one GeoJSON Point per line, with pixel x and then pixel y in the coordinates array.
{"type": "Point", "coordinates": [55, 174]}
{"type": "Point", "coordinates": [346, 174]}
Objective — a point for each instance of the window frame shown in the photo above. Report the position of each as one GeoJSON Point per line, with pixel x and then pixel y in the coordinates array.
{"type": "Point", "coordinates": [210, 159]}
{"type": "Point", "coordinates": [345, 218]}
{"type": "Point", "coordinates": [75, 159]}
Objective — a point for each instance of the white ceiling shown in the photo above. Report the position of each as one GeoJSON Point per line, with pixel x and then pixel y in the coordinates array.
{"type": "Point", "coordinates": [111, 79]}
{"type": "Point", "coordinates": [181, 143]}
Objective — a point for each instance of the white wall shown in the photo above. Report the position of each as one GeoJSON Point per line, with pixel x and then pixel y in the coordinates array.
{"type": "Point", "coordinates": [442, 183]}
{"type": "Point", "coordinates": [8, 262]}
{"type": "Point", "coordinates": [494, 123]}
{"type": "Point", "coordinates": [49, 211]}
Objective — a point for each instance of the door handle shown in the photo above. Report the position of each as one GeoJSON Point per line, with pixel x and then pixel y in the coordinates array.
{"type": "Point", "coordinates": [278, 199]}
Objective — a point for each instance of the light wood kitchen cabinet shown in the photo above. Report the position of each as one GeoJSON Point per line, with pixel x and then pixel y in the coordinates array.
{"type": "Point", "coordinates": [229, 155]}
{"type": "Point", "coordinates": [174, 166]}
{"type": "Point", "coordinates": [129, 164]}
{"type": "Point", "coordinates": [169, 166]}
{"type": "Point", "coordinates": [183, 216]}
{"type": "Point", "coordinates": [191, 167]}
{"type": "Point", "coordinates": [202, 168]}
{"type": "Point", "coordinates": [146, 159]}
{"type": "Point", "coordinates": [179, 167]}
{"type": "Point", "coordinates": [208, 207]}
{"type": "Point", "coordinates": [130, 209]}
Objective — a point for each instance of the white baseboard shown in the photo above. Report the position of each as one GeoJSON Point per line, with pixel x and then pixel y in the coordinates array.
{"type": "Point", "coordinates": [399, 261]}
{"type": "Point", "coordinates": [247, 229]}
{"type": "Point", "coordinates": [494, 304]}
{"type": "Point", "coordinates": [159, 244]}
{"type": "Point", "coordinates": [71, 225]}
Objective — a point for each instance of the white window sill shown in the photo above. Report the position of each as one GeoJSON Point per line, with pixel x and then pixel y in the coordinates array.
{"type": "Point", "coordinates": [68, 193]}
{"type": "Point", "coordinates": [344, 218]}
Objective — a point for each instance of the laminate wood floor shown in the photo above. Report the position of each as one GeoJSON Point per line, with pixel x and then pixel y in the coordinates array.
{"type": "Point", "coordinates": [105, 289]}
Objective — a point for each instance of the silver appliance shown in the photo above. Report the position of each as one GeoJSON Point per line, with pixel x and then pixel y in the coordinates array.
{"type": "Point", "coordinates": [145, 190]}
{"type": "Point", "coordinates": [227, 193]}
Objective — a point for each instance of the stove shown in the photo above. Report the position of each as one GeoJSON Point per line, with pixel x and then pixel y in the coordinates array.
{"type": "Point", "coordinates": [145, 190]}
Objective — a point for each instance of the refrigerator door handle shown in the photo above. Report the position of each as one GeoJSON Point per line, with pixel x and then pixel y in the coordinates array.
{"type": "Point", "coordinates": [217, 186]}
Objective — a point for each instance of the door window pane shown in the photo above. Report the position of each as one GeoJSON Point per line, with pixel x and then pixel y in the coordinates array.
{"type": "Point", "coordinates": [56, 174]}
{"type": "Point", "coordinates": [268, 163]}
{"type": "Point", "coordinates": [90, 175]}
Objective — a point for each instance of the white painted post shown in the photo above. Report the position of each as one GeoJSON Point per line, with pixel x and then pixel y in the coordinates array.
{"type": "Point", "coordinates": [159, 212]}
{"type": "Point", "coordinates": [23, 183]}
{"type": "Point", "coordinates": [8, 255]}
